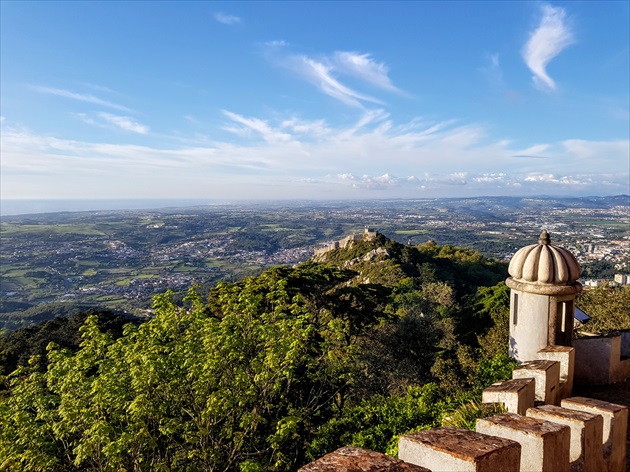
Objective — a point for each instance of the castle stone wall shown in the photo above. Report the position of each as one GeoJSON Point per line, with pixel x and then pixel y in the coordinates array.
{"type": "Point", "coordinates": [600, 360]}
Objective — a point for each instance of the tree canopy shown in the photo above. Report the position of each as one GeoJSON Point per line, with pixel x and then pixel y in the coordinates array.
{"type": "Point", "coordinates": [608, 308]}
{"type": "Point", "coordinates": [266, 373]}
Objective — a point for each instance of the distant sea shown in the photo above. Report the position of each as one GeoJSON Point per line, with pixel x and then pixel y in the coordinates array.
{"type": "Point", "coordinates": [23, 207]}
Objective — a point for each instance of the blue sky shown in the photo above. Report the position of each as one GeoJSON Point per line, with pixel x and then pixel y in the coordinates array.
{"type": "Point", "coordinates": [249, 100]}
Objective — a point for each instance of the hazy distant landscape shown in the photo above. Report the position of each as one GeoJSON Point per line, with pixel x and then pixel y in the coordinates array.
{"type": "Point", "coordinates": [121, 259]}
{"type": "Point", "coordinates": [174, 177]}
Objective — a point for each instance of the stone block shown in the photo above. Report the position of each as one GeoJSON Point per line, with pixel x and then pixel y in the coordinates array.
{"type": "Point", "coordinates": [566, 356]}
{"type": "Point", "coordinates": [594, 359]}
{"type": "Point", "coordinates": [459, 450]}
{"type": "Point", "coordinates": [544, 445]}
{"type": "Point", "coordinates": [517, 395]}
{"type": "Point", "coordinates": [546, 375]}
{"type": "Point", "coordinates": [586, 435]}
{"type": "Point", "coordinates": [615, 427]}
{"type": "Point", "coordinates": [355, 459]}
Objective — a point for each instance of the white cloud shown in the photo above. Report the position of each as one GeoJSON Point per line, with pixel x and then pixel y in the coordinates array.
{"type": "Point", "coordinates": [367, 182]}
{"type": "Point", "coordinates": [603, 151]}
{"type": "Point", "coordinates": [482, 184]}
{"type": "Point", "coordinates": [491, 178]}
{"type": "Point", "coordinates": [278, 43]}
{"type": "Point", "coordinates": [532, 151]}
{"type": "Point", "coordinates": [321, 76]}
{"type": "Point", "coordinates": [365, 68]}
{"type": "Point", "coordinates": [317, 128]}
{"type": "Point", "coordinates": [125, 123]}
{"type": "Point", "coordinates": [99, 88]}
{"type": "Point", "coordinates": [227, 19]}
{"type": "Point", "coordinates": [367, 118]}
{"type": "Point", "coordinates": [347, 176]}
{"type": "Point", "coordinates": [558, 179]}
{"type": "Point", "coordinates": [88, 98]}
{"type": "Point", "coordinates": [261, 127]}
{"type": "Point", "coordinates": [285, 157]}
{"type": "Point", "coordinates": [86, 119]}
{"type": "Point", "coordinates": [493, 71]}
{"type": "Point", "coordinates": [330, 72]}
{"type": "Point", "coordinates": [547, 41]}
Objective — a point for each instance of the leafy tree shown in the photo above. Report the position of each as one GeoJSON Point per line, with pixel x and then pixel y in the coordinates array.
{"type": "Point", "coordinates": [19, 346]}
{"type": "Point", "coordinates": [489, 318]}
{"type": "Point", "coordinates": [397, 355]}
{"type": "Point", "coordinates": [376, 423]}
{"type": "Point", "coordinates": [608, 307]}
{"type": "Point", "coordinates": [474, 344]}
{"type": "Point", "coordinates": [242, 382]}
{"type": "Point", "coordinates": [268, 372]}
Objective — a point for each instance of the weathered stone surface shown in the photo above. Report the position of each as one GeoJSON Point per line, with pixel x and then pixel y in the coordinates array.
{"type": "Point", "coordinates": [615, 428]}
{"type": "Point", "coordinates": [354, 459]}
{"type": "Point", "coordinates": [544, 264]}
{"type": "Point", "coordinates": [586, 435]}
{"type": "Point", "coordinates": [546, 375]}
{"type": "Point", "coordinates": [544, 445]}
{"type": "Point", "coordinates": [598, 360]}
{"type": "Point", "coordinates": [452, 449]}
{"type": "Point", "coordinates": [517, 395]}
{"type": "Point", "coordinates": [566, 356]}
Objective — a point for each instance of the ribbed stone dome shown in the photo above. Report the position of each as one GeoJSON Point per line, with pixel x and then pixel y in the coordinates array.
{"type": "Point", "coordinates": [543, 263]}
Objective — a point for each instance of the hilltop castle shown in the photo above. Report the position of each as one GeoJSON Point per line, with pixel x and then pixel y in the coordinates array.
{"type": "Point", "coordinates": [545, 428]}
{"type": "Point", "coordinates": [367, 235]}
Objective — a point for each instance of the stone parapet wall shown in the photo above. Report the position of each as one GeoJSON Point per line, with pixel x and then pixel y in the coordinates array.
{"type": "Point", "coordinates": [355, 459]}
{"type": "Point", "coordinates": [573, 434]}
{"type": "Point", "coordinates": [602, 360]}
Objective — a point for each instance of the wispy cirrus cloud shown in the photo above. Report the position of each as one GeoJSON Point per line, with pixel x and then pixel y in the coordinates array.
{"type": "Point", "coordinates": [107, 120]}
{"type": "Point", "coordinates": [125, 123]}
{"type": "Point", "coordinates": [588, 150]}
{"type": "Point", "coordinates": [87, 98]}
{"type": "Point", "coordinates": [227, 19]}
{"type": "Point", "coordinates": [547, 41]}
{"type": "Point", "coordinates": [321, 75]}
{"type": "Point", "coordinates": [255, 125]}
{"type": "Point", "coordinates": [290, 156]}
{"type": "Point", "coordinates": [365, 68]}
{"type": "Point", "coordinates": [492, 70]}
{"type": "Point", "coordinates": [276, 43]}
{"type": "Point", "coordinates": [332, 73]}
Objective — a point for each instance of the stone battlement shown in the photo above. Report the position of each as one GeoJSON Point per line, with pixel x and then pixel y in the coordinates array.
{"type": "Point", "coordinates": [367, 235]}
{"type": "Point", "coordinates": [574, 434]}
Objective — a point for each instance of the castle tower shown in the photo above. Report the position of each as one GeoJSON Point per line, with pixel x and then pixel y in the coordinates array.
{"type": "Point", "coordinates": [543, 287]}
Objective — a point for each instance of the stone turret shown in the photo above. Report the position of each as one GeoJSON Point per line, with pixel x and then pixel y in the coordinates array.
{"type": "Point", "coordinates": [544, 286]}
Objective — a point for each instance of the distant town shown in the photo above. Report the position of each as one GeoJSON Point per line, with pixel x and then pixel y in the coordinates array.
{"type": "Point", "coordinates": [120, 259]}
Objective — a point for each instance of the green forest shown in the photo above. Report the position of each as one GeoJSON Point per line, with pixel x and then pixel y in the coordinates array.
{"type": "Point", "coordinates": [267, 373]}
